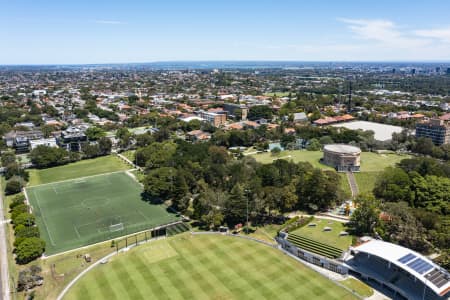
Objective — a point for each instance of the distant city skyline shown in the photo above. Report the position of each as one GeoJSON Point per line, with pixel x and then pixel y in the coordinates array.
{"type": "Point", "coordinates": [96, 32]}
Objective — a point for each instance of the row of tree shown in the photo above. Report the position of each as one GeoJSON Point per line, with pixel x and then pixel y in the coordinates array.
{"type": "Point", "coordinates": [27, 242]}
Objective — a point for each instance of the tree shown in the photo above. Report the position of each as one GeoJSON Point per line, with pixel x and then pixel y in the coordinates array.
{"type": "Point", "coordinates": [44, 157]}
{"type": "Point", "coordinates": [314, 145]}
{"type": "Point", "coordinates": [13, 186]}
{"type": "Point", "coordinates": [260, 112]}
{"type": "Point", "coordinates": [94, 133]}
{"type": "Point", "coordinates": [403, 228]}
{"type": "Point", "coordinates": [8, 158]}
{"type": "Point", "coordinates": [90, 150]}
{"type": "Point", "coordinates": [25, 219]}
{"type": "Point", "coordinates": [236, 206]}
{"type": "Point", "coordinates": [213, 218]}
{"type": "Point", "coordinates": [180, 190]}
{"type": "Point", "coordinates": [124, 137]}
{"type": "Point", "coordinates": [275, 151]}
{"type": "Point", "coordinates": [23, 232]}
{"type": "Point", "coordinates": [393, 185]}
{"type": "Point", "coordinates": [365, 219]}
{"type": "Point", "coordinates": [158, 184]}
{"type": "Point", "coordinates": [29, 249]}
{"type": "Point", "coordinates": [104, 145]}
{"type": "Point", "coordinates": [424, 146]}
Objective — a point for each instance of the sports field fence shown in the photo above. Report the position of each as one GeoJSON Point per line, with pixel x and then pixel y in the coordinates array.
{"type": "Point", "coordinates": [168, 229]}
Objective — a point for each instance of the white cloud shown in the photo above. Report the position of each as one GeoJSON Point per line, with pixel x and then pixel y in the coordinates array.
{"type": "Point", "coordinates": [110, 22]}
{"type": "Point", "coordinates": [384, 32]}
{"type": "Point", "coordinates": [442, 34]}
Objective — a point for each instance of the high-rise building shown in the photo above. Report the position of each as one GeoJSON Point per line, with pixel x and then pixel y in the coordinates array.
{"type": "Point", "coordinates": [215, 119]}
{"type": "Point", "coordinates": [438, 130]}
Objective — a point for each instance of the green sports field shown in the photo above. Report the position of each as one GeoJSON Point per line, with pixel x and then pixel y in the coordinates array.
{"type": "Point", "coordinates": [204, 267]}
{"type": "Point", "coordinates": [83, 211]}
{"type": "Point", "coordinates": [87, 167]}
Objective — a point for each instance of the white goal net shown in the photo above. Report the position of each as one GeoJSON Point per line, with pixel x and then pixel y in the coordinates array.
{"type": "Point", "coordinates": [116, 227]}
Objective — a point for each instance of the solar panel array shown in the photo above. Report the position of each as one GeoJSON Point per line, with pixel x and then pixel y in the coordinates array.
{"type": "Point", "coordinates": [438, 277]}
{"type": "Point", "coordinates": [417, 264]}
{"type": "Point", "coordinates": [420, 266]}
{"type": "Point", "coordinates": [406, 258]}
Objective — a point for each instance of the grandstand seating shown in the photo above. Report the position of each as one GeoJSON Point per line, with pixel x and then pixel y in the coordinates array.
{"type": "Point", "coordinates": [177, 228]}
{"type": "Point", "coordinates": [314, 246]}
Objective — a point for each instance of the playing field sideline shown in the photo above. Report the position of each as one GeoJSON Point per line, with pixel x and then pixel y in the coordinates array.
{"type": "Point", "coordinates": [83, 211]}
{"type": "Point", "coordinates": [82, 168]}
{"type": "Point", "coordinates": [204, 267]}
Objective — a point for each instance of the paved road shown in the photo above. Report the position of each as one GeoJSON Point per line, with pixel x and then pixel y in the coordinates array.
{"type": "Point", "coordinates": [4, 282]}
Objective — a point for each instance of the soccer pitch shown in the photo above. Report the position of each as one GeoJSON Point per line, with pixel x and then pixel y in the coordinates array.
{"type": "Point", "coordinates": [79, 212]}
{"type": "Point", "coordinates": [204, 267]}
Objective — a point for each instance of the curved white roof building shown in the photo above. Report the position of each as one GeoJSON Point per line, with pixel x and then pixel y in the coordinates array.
{"type": "Point", "coordinates": [406, 272]}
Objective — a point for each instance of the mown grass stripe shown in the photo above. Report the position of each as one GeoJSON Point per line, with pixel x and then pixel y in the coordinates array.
{"type": "Point", "coordinates": [126, 281]}
{"type": "Point", "coordinates": [241, 268]}
{"type": "Point", "coordinates": [152, 282]}
{"type": "Point", "coordinates": [104, 286]}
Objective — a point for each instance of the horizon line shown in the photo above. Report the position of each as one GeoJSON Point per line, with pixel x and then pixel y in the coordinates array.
{"type": "Point", "coordinates": [225, 61]}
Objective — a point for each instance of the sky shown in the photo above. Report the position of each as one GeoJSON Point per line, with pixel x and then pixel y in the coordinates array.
{"type": "Point", "coordinates": [83, 32]}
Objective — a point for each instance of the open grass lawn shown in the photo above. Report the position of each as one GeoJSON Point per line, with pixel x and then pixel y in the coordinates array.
{"type": "Point", "coordinates": [366, 181]}
{"type": "Point", "coordinates": [312, 157]}
{"type": "Point", "coordinates": [88, 167]}
{"type": "Point", "coordinates": [373, 162]}
{"type": "Point", "coordinates": [204, 267]}
{"type": "Point", "coordinates": [345, 186]}
{"type": "Point", "coordinates": [358, 287]}
{"type": "Point", "coordinates": [370, 162]}
{"type": "Point", "coordinates": [83, 211]}
{"type": "Point", "coordinates": [130, 154]}
{"type": "Point", "coordinates": [327, 237]}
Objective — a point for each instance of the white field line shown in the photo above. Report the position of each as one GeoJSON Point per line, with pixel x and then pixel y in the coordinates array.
{"type": "Point", "coordinates": [79, 178]}
{"type": "Point", "coordinates": [283, 157]}
{"type": "Point", "coordinates": [76, 231]}
{"type": "Point", "coordinates": [43, 219]}
{"type": "Point", "coordinates": [105, 258]}
{"type": "Point", "coordinates": [114, 239]}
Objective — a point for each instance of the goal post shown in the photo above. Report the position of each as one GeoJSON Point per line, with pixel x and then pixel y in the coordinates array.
{"type": "Point", "coordinates": [116, 227]}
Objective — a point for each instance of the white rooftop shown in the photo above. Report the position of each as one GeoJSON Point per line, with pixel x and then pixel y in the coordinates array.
{"type": "Point", "coordinates": [383, 132]}
{"type": "Point", "coordinates": [392, 253]}
{"type": "Point", "coordinates": [341, 148]}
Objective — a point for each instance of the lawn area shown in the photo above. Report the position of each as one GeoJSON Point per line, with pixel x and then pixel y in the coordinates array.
{"type": "Point", "coordinates": [373, 162]}
{"type": "Point", "coordinates": [129, 154]}
{"type": "Point", "coordinates": [88, 167]}
{"type": "Point", "coordinates": [312, 157]}
{"type": "Point", "coordinates": [358, 287]}
{"type": "Point", "coordinates": [204, 267]}
{"type": "Point", "coordinates": [327, 237]}
{"type": "Point", "coordinates": [265, 233]}
{"type": "Point", "coordinates": [366, 181]}
{"type": "Point", "coordinates": [370, 162]}
{"type": "Point", "coordinates": [80, 212]}
{"type": "Point", "coordinates": [345, 186]}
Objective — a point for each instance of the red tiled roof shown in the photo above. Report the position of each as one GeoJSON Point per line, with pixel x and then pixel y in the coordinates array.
{"type": "Point", "coordinates": [445, 117]}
